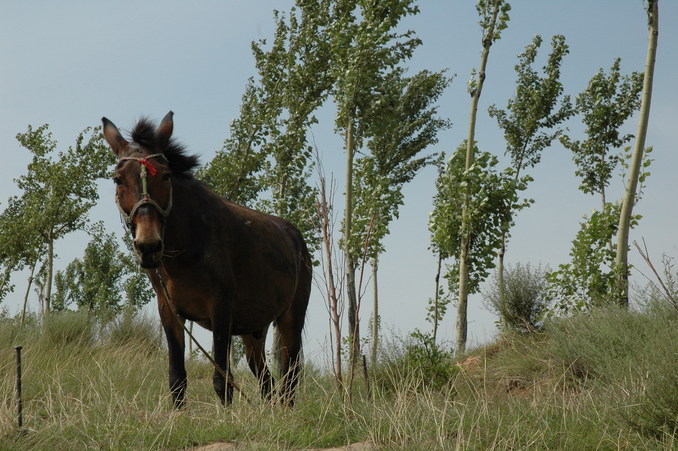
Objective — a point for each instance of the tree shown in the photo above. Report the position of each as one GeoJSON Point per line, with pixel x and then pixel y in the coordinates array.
{"type": "Point", "coordinates": [437, 306]}
{"type": "Point", "coordinates": [266, 161]}
{"type": "Point", "coordinates": [233, 172]}
{"type": "Point", "coordinates": [536, 109]}
{"type": "Point", "coordinates": [105, 281]}
{"type": "Point", "coordinates": [590, 278]}
{"type": "Point", "coordinates": [365, 50]}
{"type": "Point", "coordinates": [20, 248]}
{"type": "Point", "coordinates": [331, 279]}
{"type": "Point", "coordinates": [605, 105]}
{"type": "Point", "coordinates": [481, 196]}
{"type": "Point", "coordinates": [400, 124]}
{"type": "Point", "coordinates": [58, 191]}
{"type": "Point", "coordinates": [493, 20]}
{"type": "Point", "coordinates": [301, 64]}
{"type": "Point", "coordinates": [625, 216]}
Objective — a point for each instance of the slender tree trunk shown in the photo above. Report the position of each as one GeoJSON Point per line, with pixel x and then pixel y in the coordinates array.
{"type": "Point", "coordinates": [375, 313]}
{"type": "Point", "coordinates": [332, 299]}
{"type": "Point", "coordinates": [502, 282]}
{"type": "Point", "coordinates": [336, 322]}
{"type": "Point", "coordinates": [353, 321]}
{"type": "Point", "coordinates": [359, 358]}
{"type": "Point", "coordinates": [462, 305]}
{"type": "Point", "coordinates": [50, 273]}
{"type": "Point", "coordinates": [621, 261]}
{"type": "Point", "coordinates": [436, 301]}
{"type": "Point", "coordinates": [28, 290]}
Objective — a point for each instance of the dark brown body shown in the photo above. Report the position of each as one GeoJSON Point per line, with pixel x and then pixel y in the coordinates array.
{"type": "Point", "coordinates": [231, 269]}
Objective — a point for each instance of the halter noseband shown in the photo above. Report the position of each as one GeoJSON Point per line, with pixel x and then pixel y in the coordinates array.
{"type": "Point", "coordinates": [145, 198]}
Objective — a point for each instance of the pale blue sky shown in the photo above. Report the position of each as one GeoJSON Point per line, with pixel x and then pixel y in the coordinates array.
{"type": "Point", "coordinates": [70, 63]}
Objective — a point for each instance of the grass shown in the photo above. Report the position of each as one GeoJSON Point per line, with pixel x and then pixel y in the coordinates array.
{"type": "Point", "coordinates": [608, 380]}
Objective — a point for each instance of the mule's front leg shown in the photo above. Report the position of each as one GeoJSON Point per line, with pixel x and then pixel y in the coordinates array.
{"type": "Point", "coordinates": [221, 347]}
{"type": "Point", "coordinates": [177, 373]}
{"type": "Point", "coordinates": [174, 332]}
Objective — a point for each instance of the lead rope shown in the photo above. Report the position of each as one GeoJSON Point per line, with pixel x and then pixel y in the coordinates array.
{"type": "Point", "coordinates": [226, 376]}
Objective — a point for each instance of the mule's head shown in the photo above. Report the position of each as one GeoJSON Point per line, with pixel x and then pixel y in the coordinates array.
{"type": "Point", "coordinates": [143, 189]}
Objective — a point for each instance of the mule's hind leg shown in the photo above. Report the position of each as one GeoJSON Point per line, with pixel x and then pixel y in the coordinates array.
{"type": "Point", "coordinates": [290, 327]}
{"type": "Point", "coordinates": [291, 324]}
{"type": "Point", "coordinates": [256, 359]}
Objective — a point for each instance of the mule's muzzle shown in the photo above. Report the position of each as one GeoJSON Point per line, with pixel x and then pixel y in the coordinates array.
{"type": "Point", "coordinates": [149, 253]}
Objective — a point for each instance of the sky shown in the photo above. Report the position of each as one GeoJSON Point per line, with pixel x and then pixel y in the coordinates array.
{"type": "Point", "coordinates": [67, 64]}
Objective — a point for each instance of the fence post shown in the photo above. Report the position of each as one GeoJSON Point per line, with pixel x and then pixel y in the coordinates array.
{"type": "Point", "coordinates": [18, 387]}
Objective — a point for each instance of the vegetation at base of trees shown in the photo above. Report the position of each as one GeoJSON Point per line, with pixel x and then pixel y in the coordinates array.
{"type": "Point", "coordinates": [524, 300]}
{"type": "Point", "coordinates": [589, 280]}
{"type": "Point", "coordinates": [600, 379]}
{"type": "Point", "coordinates": [663, 287]}
{"type": "Point", "coordinates": [415, 358]}
{"type": "Point", "coordinates": [599, 347]}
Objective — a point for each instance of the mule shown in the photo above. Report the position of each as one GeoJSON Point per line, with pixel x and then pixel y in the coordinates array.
{"type": "Point", "coordinates": [231, 269]}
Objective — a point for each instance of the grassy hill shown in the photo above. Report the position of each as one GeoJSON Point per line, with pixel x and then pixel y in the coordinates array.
{"type": "Point", "coordinates": [607, 380]}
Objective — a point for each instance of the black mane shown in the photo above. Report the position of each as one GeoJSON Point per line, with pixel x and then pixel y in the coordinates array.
{"type": "Point", "coordinates": [143, 134]}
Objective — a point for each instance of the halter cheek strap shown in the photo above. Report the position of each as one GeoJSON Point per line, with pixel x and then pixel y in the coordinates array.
{"type": "Point", "coordinates": [146, 167]}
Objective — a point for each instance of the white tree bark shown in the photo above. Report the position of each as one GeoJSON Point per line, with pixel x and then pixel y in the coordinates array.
{"type": "Point", "coordinates": [621, 261]}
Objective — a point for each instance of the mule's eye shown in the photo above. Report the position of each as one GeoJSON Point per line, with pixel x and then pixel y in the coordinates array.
{"type": "Point", "coordinates": [117, 181]}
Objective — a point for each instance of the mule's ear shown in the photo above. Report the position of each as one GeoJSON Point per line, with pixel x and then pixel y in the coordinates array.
{"type": "Point", "coordinates": [113, 136]}
{"type": "Point", "coordinates": [164, 132]}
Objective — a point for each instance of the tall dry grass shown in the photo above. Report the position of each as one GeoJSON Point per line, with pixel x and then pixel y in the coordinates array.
{"type": "Point", "coordinates": [603, 381]}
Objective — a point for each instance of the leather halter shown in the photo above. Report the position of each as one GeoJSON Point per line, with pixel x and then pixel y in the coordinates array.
{"type": "Point", "coordinates": [145, 198]}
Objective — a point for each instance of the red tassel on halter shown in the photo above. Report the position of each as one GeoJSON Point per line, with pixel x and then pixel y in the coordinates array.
{"type": "Point", "coordinates": [149, 166]}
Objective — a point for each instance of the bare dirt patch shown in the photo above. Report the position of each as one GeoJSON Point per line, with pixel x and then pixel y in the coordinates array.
{"type": "Point", "coordinates": [232, 446]}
